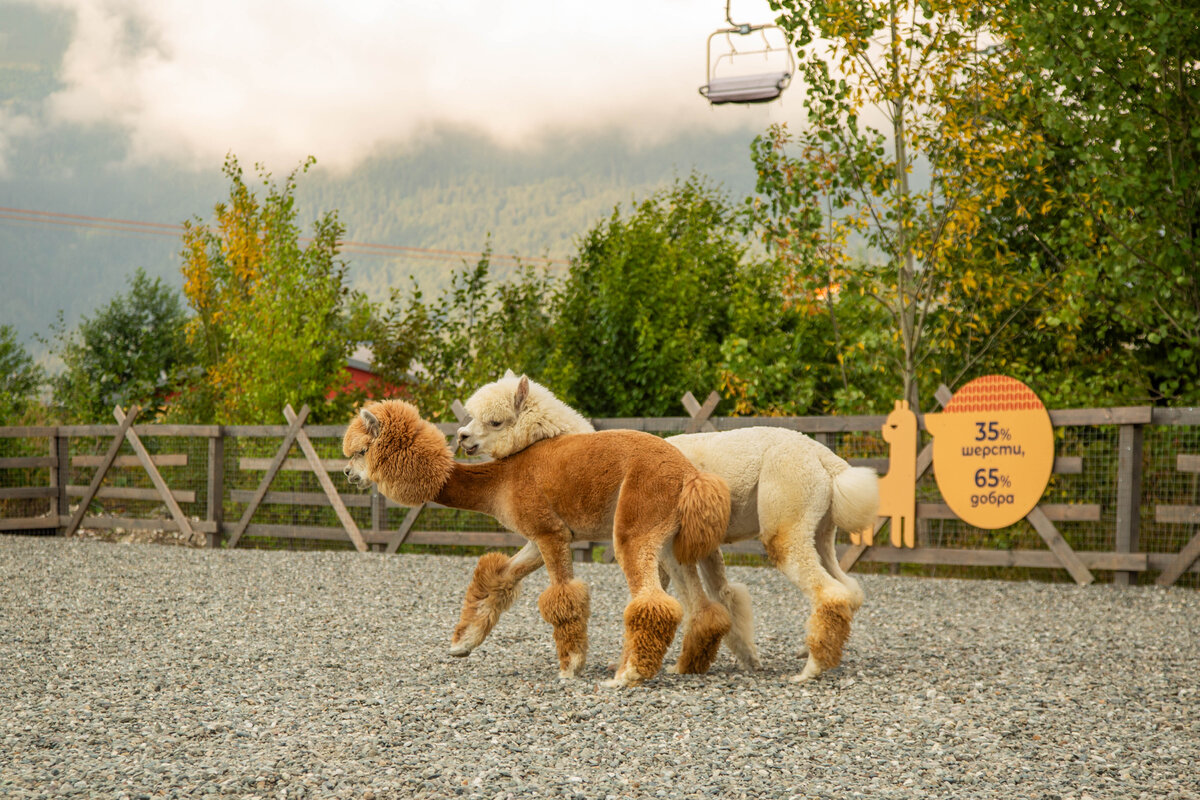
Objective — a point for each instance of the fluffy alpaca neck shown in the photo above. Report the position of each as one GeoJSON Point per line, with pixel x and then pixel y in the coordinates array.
{"type": "Point", "coordinates": [472, 487]}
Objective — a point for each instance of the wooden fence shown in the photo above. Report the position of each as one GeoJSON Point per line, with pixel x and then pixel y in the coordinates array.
{"type": "Point", "coordinates": [1107, 491]}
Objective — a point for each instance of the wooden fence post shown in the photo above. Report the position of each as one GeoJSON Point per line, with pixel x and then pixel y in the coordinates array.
{"type": "Point", "coordinates": [289, 438]}
{"type": "Point", "coordinates": [378, 517]}
{"type": "Point", "coordinates": [60, 476]}
{"type": "Point", "coordinates": [105, 463]}
{"type": "Point", "coordinates": [1189, 515]}
{"type": "Point", "coordinates": [1129, 496]}
{"type": "Point", "coordinates": [164, 491]}
{"type": "Point", "coordinates": [410, 519]}
{"type": "Point", "coordinates": [335, 499]}
{"type": "Point", "coordinates": [700, 413]}
{"type": "Point", "coordinates": [216, 485]}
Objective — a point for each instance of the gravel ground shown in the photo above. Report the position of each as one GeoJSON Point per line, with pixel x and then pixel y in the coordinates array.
{"type": "Point", "coordinates": [145, 671]}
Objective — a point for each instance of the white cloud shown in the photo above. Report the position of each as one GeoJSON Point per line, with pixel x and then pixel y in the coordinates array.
{"type": "Point", "coordinates": [276, 81]}
{"type": "Point", "coordinates": [11, 126]}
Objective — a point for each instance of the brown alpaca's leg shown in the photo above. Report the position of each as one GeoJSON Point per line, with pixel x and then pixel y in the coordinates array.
{"type": "Point", "coordinates": [565, 606]}
{"type": "Point", "coordinates": [652, 616]}
{"type": "Point", "coordinates": [705, 623]}
{"type": "Point", "coordinates": [650, 622]}
{"type": "Point", "coordinates": [494, 586]}
{"type": "Point", "coordinates": [736, 599]}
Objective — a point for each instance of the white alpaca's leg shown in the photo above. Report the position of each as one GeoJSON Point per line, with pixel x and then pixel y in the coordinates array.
{"type": "Point", "coordinates": [792, 549]}
{"type": "Point", "coordinates": [827, 551]}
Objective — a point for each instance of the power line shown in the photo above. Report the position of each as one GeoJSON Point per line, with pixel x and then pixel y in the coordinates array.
{"type": "Point", "coordinates": [127, 226]}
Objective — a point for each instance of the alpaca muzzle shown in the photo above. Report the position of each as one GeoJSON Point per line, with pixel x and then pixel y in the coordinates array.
{"type": "Point", "coordinates": [464, 442]}
{"type": "Point", "coordinates": [352, 477]}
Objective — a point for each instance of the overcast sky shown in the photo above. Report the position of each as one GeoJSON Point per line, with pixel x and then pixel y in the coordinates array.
{"type": "Point", "coordinates": [275, 81]}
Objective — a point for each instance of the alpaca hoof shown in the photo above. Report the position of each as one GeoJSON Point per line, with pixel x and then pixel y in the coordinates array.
{"type": "Point", "coordinates": [811, 670]}
{"type": "Point", "coordinates": [461, 650]}
{"type": "Point", "coordinates": [573, 669]}
{"type": "Point", "coordinates": [624, 677]}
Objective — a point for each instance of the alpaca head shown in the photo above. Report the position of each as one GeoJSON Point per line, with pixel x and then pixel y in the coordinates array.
{"type": "Point", "coordinates": [388, 444]}
{"type": "Point", "coordinates": [901, 424]}
{"type": "Point", "coordinates": [512, 413]}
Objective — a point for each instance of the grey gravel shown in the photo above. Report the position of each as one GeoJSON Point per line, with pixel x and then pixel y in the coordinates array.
{"type": "Point", "coordinates": [134, 670]}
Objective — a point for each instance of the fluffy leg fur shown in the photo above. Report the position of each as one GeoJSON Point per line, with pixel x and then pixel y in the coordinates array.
{"type": "Point", "coordinates": [740, 639]}
{"type": "Point", "coordinates": [736, 598]}
{"type": "Point", "coordinates": [650, 622]}
{"type": "Point", "coordinates": [793, 550]}
{"type": "Point", "coordinates": [705, 623]}
{"type": "Point", "coordinates": [566, 606]}
{"type": "Point", "coordinates": [490, 594]}
{"type": "Point", "coordinates": [703, 639]}
{"type": "Point", "coordinates": [828, 630]}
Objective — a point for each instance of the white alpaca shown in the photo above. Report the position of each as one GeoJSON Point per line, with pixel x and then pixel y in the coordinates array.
{"type": "Point", "coordinates": [787, 489]}
{"type": "Point", "coordinates": [513, 413]}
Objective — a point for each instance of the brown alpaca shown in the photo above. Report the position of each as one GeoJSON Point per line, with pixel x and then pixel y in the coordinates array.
{"type": "Point", "coordinates": [627, 485]}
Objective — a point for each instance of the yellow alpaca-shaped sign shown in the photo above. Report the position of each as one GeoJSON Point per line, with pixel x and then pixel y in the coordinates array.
{"type": "Point", "coordinates": [898, 488]}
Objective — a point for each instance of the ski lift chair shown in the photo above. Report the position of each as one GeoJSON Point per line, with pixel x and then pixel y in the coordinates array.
{"type": "Point", "coordinates": [726, 84]}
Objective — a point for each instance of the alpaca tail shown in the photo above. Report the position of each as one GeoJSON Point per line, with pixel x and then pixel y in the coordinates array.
{"type": "Point", "coordinates": [704, 508]}
{"type": "Point", "coordinates": [855, 498]}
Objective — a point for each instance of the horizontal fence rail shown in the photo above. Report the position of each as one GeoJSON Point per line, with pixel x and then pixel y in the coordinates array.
{"type": "Point", "coordinates": [1124, 496]}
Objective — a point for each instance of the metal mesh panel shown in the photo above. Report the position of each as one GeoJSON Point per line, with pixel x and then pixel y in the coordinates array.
{"type": "Point", "coordinates": [182, 461]}
{"type": "Point", "coordinates": [296, 499]}
{"type": "Point", "coordinates": [18, 478]}
{"type": "Point", "coordinates": [1165, 485]}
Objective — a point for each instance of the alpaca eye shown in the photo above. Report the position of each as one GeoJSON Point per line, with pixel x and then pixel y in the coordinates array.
{"type": "Point", "coordinates": [361, 453]}
{"type": "Point", "coordinates": [496, 423]}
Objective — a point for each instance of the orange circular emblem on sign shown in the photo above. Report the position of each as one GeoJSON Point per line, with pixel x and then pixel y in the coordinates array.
{"type": "Point", "coordinates": [993, 451]}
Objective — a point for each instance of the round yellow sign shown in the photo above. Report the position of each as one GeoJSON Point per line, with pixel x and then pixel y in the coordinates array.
{"type": "Point", "coordinates": [993, 451]}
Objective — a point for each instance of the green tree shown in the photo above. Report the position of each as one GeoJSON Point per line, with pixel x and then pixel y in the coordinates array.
{"type": "Point", "coordinates": [1073, 348]}
{"type": "Point", "coordinates": [20, 377]}
{"type": "Point", "coordinates": [132, 351]}
{"type": "Point", "coordinates": [893, 88]}
{"type": "Point", "coordinates": [273, 319]}
{"type": "Point", "coordinates": [1115, 85]}
{"type": "Point", "coordinates": [477, 328]}
{"type": "Point", "coordinates": [647, 304]}
{"type": "Point", "coordinates": [786, 358]}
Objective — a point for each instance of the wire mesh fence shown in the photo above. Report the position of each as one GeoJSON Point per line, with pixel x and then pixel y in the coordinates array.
{"type": "Point", "coordinates": [27, 461]}
{"type": "Point", "coordinates": [46, 473]}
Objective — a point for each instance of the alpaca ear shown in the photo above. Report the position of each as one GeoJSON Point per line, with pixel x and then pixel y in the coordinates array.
{"type": "Point", "coordinates": [522, 393]}
{"type": "Point", "coordinates": [508, 373]}
{"type": "Point", "coordinates": [371, 422]}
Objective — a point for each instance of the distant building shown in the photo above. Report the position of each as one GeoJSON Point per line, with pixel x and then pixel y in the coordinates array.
{"type": "Point", "coordinates": [360, 377]}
